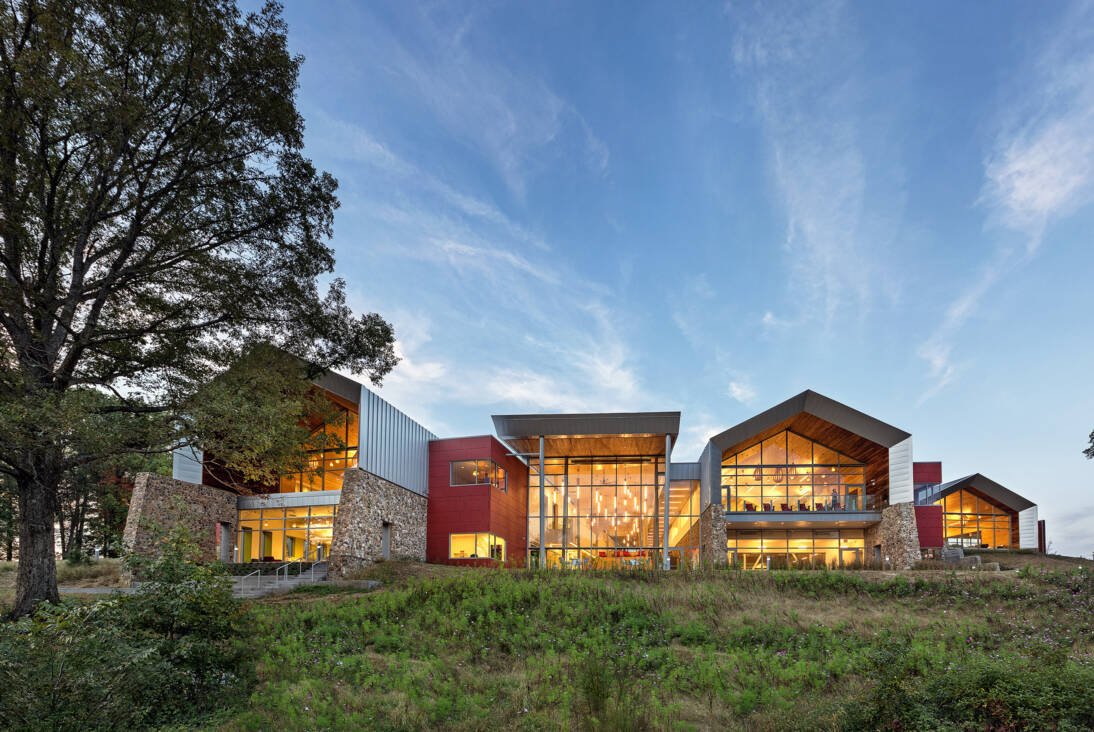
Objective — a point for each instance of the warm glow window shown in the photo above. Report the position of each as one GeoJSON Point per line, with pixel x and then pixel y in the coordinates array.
{"type": "Point", "coordinates": [788, 472]}
{"type": "Point", "coordinates": [973, 522]}
{"type": "Point", "coordinates": [478, 472]}
{"type": "Point", "coordinates": [476, 546]}
{"type": "Point", "coordinates": [801, 549]}
{"type": "Point", "coordinates": [609, 512]}
{"type": "Point", "coordinates": [327, 467]}
{"type": "Point", "coordinates": [285, 534]}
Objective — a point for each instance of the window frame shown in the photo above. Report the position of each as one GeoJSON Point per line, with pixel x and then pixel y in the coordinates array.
{"type": "Point", "coordinates": [491, 478]}
{"type": "Point", "coordinates": [492, 541]}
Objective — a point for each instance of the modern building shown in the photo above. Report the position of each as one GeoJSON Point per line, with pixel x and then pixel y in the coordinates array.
{"type": "Point", "coordinates": [810, 481]}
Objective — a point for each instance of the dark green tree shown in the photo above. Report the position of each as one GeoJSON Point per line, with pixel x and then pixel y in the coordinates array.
{"type": "Point", "coordinates": [1089, 452]}
{"type": "Point", "coordinates": [159, 226]}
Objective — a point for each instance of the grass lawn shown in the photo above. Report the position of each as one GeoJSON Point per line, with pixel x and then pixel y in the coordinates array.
{"type": "Point", "coordinates": [489, 649]}
{"type": "Point", "coordinates": [100, 573]}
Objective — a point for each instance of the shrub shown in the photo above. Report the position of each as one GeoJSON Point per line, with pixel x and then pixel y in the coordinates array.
{"type": "Point", "coordinates": [161, 655]}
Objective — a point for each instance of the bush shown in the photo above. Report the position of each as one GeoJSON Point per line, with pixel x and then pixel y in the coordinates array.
{"type": "Point", "coordinates": [161, 655]}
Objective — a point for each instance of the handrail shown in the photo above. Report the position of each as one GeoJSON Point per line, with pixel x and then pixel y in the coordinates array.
{"type": "Point", "coordinates": [286, 565]}
{"type": "Point", "coordinates": [243, 579]}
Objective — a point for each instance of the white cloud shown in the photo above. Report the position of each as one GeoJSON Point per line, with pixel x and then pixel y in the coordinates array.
{"type": "Point", "coordinates": [741, 391]}
{"type": "Point", "coordinates": [1040, 169]}
{"type": "Point", "coordinates": [771, 322]}
{"type": "Point", "coordinates": [801, 61]}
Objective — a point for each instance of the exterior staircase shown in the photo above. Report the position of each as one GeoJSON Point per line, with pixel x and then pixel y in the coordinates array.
{"type": "Point", "coordinates": [260, 584]}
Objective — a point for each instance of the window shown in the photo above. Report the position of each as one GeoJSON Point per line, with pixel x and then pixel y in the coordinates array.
{"type": "Point", "coordinates": [327, 466]}
{"type": "Point", "coordinates": [285, 534]}
{"type": "Point", "coordinates": [476, 546]}
{"type": "Point", "coordinates": [787, 472]}
{"type": "Point", "coordinates": [973, 522]}
{"type": "Point", "coordinates": [478, 472]}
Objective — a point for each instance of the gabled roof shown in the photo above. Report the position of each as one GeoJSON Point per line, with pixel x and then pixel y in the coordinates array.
{"type": "Point", "coordinates": [819, 406]}
{"type": "Point", "coordinates": [989, 488]}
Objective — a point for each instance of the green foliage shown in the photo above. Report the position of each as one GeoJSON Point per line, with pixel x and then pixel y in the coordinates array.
{"type": "Point", "coordinates": [168, 653]}
{"type": "Point", "coordinates": [487, 649]}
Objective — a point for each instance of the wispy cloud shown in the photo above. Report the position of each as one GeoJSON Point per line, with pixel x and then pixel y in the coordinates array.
{"type": "Point", "coordinates": [741, 391]}
{"type": "Point", "coordinates": [1040, 169]}
{"type": "Point", "coordinates": [801, 60]}
{"type": "Point", "coordinates": [510, 114]}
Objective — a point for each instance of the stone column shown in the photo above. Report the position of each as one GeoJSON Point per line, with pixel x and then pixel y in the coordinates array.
{"type": "Point", "coordinates": [368, 503]}
{"type": "Point", "coordinates": [898, 535]}
{"type": "Point", "coordinates": [712, 536]}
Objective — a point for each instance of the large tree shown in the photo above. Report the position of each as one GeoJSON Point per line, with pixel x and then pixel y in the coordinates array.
{"type": "Point", "coordinates": [158, 224]}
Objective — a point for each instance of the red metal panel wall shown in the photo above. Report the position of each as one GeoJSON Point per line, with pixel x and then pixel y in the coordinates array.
{"type": "Point", "coordinates": [928, 520]}
{"type": "Point", "coordinates": [927, 472]}
{"type": "Point", "coordinates": [465, 509]}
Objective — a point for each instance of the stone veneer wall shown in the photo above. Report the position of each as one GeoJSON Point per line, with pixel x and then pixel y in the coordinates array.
{"type": "Point", "coordinates": [897, 534]}
{"type": "Point", "coordinates": [369, 501]}
{"type": "Point", "coordinates": [712, 536]}
{"type": "Point", "coordinates": [160, 502]}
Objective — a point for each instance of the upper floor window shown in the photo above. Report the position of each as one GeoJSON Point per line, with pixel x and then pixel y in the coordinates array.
{"type": "Point", "coordinates": [478, 472]}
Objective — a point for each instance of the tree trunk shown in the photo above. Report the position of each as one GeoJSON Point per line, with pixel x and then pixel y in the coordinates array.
{"type": "Point", "coordinates": [37, 577]}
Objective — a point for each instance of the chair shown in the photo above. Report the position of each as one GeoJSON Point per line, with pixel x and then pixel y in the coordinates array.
{"type": "Point", "coordinates": [750, 506]}
{"type": "Point", "coordinates": [820, 506]}
{"type": "Point", "coordinates": [768, 507]}
{"type": "Point", "coordinates": [784, 507]}
{"type": "Point", "coordinates": [803, 506]}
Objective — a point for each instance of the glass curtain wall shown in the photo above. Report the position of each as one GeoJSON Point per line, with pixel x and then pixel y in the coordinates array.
{"type": "Point", "coordinates": [285, 534]}
{"type": "Point", "coordinates": [326, 468]}
{"type": "Point", "coordinates": [972, 522]}
{"type": "Point", "coordinates": [780, 549]}
{"type": "Point", "coordinates": [607, 512]}
{"type": "Point", "coordinates": [789, 472]}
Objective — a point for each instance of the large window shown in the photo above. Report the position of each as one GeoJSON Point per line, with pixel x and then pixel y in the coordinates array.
{"type": "Point", "coordinates": [476, 546]}
{"type": "Point", "coordinates": [327, 467]}
{"type": "Point", "coordinates": [478, 472]}
{"type": "Point", "coordinates": [972, 522]}
{"type": "Point", "coordinates": [285, 534]}
{"type": "Point", "coordinates": [789, 472]}
{"type": "Point", "coordinates": [779, 549]}
{"type": "Point", "coordinates": [607, 511]}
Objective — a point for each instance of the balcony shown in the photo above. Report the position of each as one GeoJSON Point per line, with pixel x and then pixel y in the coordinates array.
{"type": "Point", "coordinates": [831, 509]}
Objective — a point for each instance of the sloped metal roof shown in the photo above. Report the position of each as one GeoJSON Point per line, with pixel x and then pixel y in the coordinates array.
{"type": "Point", "coordinates": [989, 488]}
{"type": "Point", "coordinates": [818, 405]}
{"type": "Point", "coordinates": [515, 426]}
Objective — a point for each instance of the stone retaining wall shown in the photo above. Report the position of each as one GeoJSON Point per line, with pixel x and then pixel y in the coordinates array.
{"type": "Point", "coordinates": [159, 502]}
{"type": "Point", "coordinates": [368, 502]}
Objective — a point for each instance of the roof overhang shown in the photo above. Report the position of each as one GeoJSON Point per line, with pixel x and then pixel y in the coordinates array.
{"type": "Point", "coordinates": [988, 488]}
{"type": "Point", "coordinates": [814, 416]}
{"type": "Point", "coordinates": [611, 433]}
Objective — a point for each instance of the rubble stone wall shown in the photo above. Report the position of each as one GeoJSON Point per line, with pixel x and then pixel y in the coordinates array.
{"type": "Point", "coordinates": [368, 502]}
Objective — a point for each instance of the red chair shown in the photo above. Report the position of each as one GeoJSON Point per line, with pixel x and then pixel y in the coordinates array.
{"type": "Point", "coordinates": [750, 506]}
{"type": "Point", "coordinates": [803, 506]}
{"type": "Point", "coordinates": [784, 507]}
{"type": "Point", "coordinates": [768, 507]}
{"type": "Point", "coordinates": [820, 506]}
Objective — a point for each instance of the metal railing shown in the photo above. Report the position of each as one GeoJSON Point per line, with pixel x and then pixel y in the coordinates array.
{"type": "Point", "coordinates": [242, 585]}
{"type": "Point", "coordinates": [810, 502]}
{"type": "Point", "coordinates": [300, 561]}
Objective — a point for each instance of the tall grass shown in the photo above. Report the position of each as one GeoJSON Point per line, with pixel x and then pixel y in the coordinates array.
{"type": "Point", "coordinates": [483, 649]}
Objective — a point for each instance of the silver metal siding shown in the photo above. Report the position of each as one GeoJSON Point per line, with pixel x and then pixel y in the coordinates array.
{"type": "Point", "coordinates": [392, 445]}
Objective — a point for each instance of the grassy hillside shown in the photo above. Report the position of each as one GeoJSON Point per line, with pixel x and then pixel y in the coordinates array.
{"type": "Point", "coordinates": [485, 649]}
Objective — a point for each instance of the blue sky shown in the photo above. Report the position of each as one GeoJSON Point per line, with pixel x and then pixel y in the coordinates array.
{"type": "Point", "coordinates": [653, 206]}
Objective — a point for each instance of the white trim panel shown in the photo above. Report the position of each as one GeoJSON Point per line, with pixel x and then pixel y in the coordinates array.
{"type": "Point", "coordinates": [1027, 528]}
{"type": "Point", "coordinates": [901, 489]}
{"type": "Point", "coordinates": [186, 464]}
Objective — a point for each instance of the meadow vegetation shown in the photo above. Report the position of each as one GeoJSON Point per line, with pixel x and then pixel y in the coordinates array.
{"type": "Point", "coordinates": [487, 649]}
{"type": "Point", "coordinates": [459, 648]}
